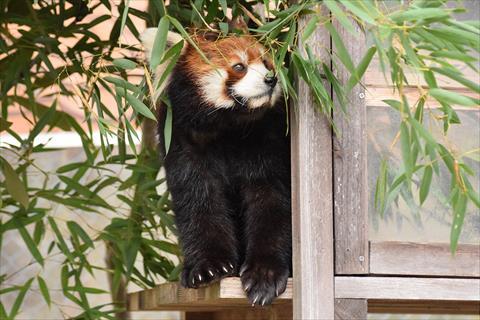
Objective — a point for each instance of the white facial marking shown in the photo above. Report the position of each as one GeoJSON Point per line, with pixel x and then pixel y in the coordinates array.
{"type": "Point", "coordinates": [253, 90]}
{"type": "Point", "coordinates": [258, 102]}
{"type": "Point", "coordinates": [243, 56]}
{"type": "Point", "coordinates": [213, 89]}
{"type": "Point", "coordinates": [253, 83]}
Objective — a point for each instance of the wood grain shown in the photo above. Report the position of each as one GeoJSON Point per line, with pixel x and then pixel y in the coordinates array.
{"type": "Point", "coordinates": [312, 216]}
{"type": "Point", "coordinates": [407, 258]}
{"type": "Point", "coordinates": [350, 309]}
{"type": "Point", "coordinates": [276, 312]}
{"type": "Point", "coordinates": [350, 167]}
{"type": "Point", "coordinates": [405, 288]}
{"type": "Point", "coordinates": [228, 293]}
{"type": "Point", "coordinates": [424, 307]}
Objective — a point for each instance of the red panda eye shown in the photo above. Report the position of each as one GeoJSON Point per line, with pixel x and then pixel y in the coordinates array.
{"type": "Point", "coordinates": [267, 64]}
{"type": "Point", "coordinates": [239, 67]}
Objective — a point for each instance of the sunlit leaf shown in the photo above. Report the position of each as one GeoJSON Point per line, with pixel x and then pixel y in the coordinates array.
{"type": "Point", "coordinates": [137, 105]}
{"type": "Point", "coordinates": [124, 64]}
{"type": "Point", "coordinates": [167, 131]}
{"type": "Point", "coordinates": [159, 43]}
{"type": "Point", "coordinates": [451, 97]}
{"type": "Point", "coordinates": [13, 184]}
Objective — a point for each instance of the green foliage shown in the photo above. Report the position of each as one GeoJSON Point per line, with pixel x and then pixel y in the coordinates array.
{"type": "Point", "coordinates": [55, 42]}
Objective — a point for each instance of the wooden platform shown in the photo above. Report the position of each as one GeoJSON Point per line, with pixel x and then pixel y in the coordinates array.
{"type": "Point", "coordinates": [384, 294]}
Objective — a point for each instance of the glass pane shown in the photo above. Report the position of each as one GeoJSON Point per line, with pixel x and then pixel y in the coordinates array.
{"type": "Point", "coordinates": [404, 220]}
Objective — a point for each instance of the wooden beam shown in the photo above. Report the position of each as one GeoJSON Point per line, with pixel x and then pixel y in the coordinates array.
{"type": "Point", "coordinates": [405, 288]}
{"type": "Point", "coordinates": [312, 209]}
{"type": "Point", "coordinates": [407, 258]}
{"type": "Point", "coordinates": [275, 312]}
{"type": "Point", "coordinates": [424, 307]}
{"type": "Point", "coordinates": [375, 95]}
{"type": "Point", "coordinates": [350, 166]}
{"type": "Point", "coordinates": [228, 293]}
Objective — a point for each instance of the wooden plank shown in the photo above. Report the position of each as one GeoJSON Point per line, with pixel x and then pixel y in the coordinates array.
{"type": "Point", "coordinates": [277, 312]}
{"type": "Point", "coordinates": [396, 288]}
{"type": "Point", "coordinates": [407, 258]}
{"type": "Point", "coordinates": [172, 296]}
{"type": "Point", "coordinates": [350, 167]}
{"type": "Point", "coordinates": [350, 309]}
{"type": "Point", "coordinates": [375, 77]}
{"type": "Point", "coordinates": [228, 293]}
{"type": "Point", "coordinates": [375, 95]}
{"type": "Point", "coordinates": [312, 216]}
{"type": "Point", "coordinates": [424, 307]}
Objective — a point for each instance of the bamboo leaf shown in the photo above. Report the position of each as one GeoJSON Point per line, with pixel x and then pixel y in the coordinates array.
{"type": "Point", "coordinates": [159, 43]}
{"type": "Point", "coordinates": [44, 290]}
{"type": "Point", "coordinates": [381, 187]}
{"type": "Point", "coordinates": [44, 120]}
{"type": "Point", "coordinates": [459, 208]}
{"type": "Point", "coordinates": [31, 245]}
{"type": "Point", "coordinates": [137, 105]}
{"type": "Point", "coordinates": [361, 68]}
{"type": "Point", "coordinates": [309, 28]}
{"type": "Point", "coordinates": [339, 14]}
{"type": "Point", "coordinates": [288, 42]}
{"type": "Point", "coordinates": [458, 77]}
{"type": "Point", "coordinates": [124, 16]}
{"type": "Point", "coordinates": [223, 4]}
{"type": "Point", "coordinates": [167, 131]}
{"type": "Point", "coordinates": [121, 83]}
{"type": "Point", "coordinates": [425, 183]}
{"type": "Point", "coordinates": [406, 150]}
{"type": "Point", "coordinates": [419, 14]}
{"type": "Point", "coordinates": [454, 55]}
{"type": "Point", "coordinates": [340, 49]}
{"type": "Point", "coordinates": [356, 9]}
{"type": "Point", "coordinates": [125, 64]}
{"type": "Point", "coordinates": [61, 241]}
{"type": "Point", "coordinates": [449, 97]}
{"type": "Point", "coordinates": [13, 184]}
{"type": "Point", "coordinates": [75, 228]}
{"type": "Point", "coordinates": [19, 300]}
{"type": "Point", "coordinates": [474, 196]}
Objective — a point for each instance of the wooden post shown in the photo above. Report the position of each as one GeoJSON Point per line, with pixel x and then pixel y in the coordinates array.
{"type": "Point", "coordinates": [350, 167]}
{"type": "Point", "coordinates": [313, 291]}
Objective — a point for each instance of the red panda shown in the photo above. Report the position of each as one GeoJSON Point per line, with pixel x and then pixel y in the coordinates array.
{"type": "Point", "coordinates": [228, 164]}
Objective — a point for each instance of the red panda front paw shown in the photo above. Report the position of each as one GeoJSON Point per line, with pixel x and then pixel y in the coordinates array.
{"type": "Point", "coordinates": [262, 282]}
{"type": "Point", "coordinates": [204, 272]}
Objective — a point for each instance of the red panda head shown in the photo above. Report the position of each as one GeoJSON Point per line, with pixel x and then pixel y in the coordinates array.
{"type": "Point", "coordinates": [239, 70]}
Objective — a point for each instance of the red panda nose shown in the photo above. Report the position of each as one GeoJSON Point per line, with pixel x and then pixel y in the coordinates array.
{"type": "Point", "coordinates": [271, 80]}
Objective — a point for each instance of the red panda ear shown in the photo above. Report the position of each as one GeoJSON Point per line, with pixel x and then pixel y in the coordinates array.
{"type": "Point", "coordinates": [211, 35]}
{"type": "Point", "coordinates": [238, 23]}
